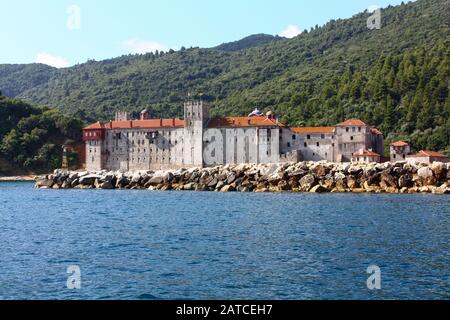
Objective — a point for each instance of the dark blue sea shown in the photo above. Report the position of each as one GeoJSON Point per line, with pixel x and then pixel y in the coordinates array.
{"type": "Point", "coordinates": [187, 245]}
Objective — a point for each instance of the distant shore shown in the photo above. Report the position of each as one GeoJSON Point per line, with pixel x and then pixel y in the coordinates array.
{"type": "Point", "coordinates": [17, 178]}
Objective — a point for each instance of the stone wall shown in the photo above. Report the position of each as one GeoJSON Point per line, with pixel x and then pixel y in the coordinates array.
{"type": "Point", "coordinates": [400, 177]}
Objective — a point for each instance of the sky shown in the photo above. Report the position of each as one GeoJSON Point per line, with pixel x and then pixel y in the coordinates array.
{"type": "Point", "coordinates": [62, 33]}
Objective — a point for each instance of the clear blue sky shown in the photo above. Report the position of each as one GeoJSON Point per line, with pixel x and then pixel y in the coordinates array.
{"type": "Point", "coordinates": [34, 30]}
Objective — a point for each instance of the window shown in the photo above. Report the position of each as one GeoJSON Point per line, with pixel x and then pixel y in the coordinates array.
{"type": "Point", "coordinates": [322, 136]}
{"type": "Point", "coordinates": [288, 144]}
{"type": "Point", "coordinates": [347, 129]}
{"type": "Point", "coordinates": [306, 145]}
{"type": "Point", "coordinates": [308, 137]}
{"type": "Point", "coordinates": [359, 129]}
{"type": "Point", "coordinates": [353, 129]}
{"type": "Point", "coordinates": [351, 138]}
{"type": "Point", "coordinates": [395, 156]}
{"type": "Point", "coordinates": [294, 137]}
{"type": "Point", "coordinates": [318, 144]}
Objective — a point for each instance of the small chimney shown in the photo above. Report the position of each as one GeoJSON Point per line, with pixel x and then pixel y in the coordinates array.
{"type": "Point", "coordinates": [145, 115]}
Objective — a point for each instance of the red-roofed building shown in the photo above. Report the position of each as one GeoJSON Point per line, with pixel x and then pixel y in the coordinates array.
{"type": "Point", "coordinates": [399, 150]}
{"type": "Point", "coordinates": [366, 156]}
{"type": "Point", "coordinates": [355, 135]}
{"type": "Point", "coordinates": [352, 123]}
{"type": "Point", "coordinates": [197, 140]}
{"type": "Point", "coordinates": [427, 157]}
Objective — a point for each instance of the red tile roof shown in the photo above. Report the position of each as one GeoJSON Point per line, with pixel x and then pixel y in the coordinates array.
{"type": "Point", "coordinates": [400, 144]}
{"type": "Point", "coordinates": [366, 153]}
{"type": "Point", "coordinates": [139, 124]}
{"type": "Point", "coordinates": [377, 132]}
{"type": "Point", "coordinates": [434, 154]}
{"type": "Point", "coordinates": [352, 122]}
{"type": "Point", "coordinates": [97, 125]}
{"type": "Point", "coordinates": [244, 122]}
{"type": "Point", "coordinates": [314, 130]}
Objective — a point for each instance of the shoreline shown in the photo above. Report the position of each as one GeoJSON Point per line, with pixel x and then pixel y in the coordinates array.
{"type": "Point", "coordinates": [18, 178]}
{"type": "Point", "coordinates": [26, 178]}
{"type": "Point", "coordinates": [311, 177]}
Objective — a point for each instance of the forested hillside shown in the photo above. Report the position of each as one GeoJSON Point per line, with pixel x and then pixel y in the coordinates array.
{"type": "Point", "coordinates": [31, 137]}
{"type": "Point", "coordinates": [252, 41]}
{"type": "Point", "coordinates": [395, 78]}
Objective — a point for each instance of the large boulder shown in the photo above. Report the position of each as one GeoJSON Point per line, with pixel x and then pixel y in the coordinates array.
{"type": "Point", "coordinates": [283, 185]}
{"type": "Point", "coordinates": [328, 182]}
{"type": "Point", "coordinates": [89, 180]}
{"type": "Point", "coordinates": [439, 170]}
{"type": "Point", "coordinates": [352, 182]}
{"type": "Point", "coordinates": [444, 189]}
{"type": "Point", "coordinates": [189, 186]}
{"type": "Point", "coordinates": [155, 181]}
{"type": "Point", "coordinates": [320, 170]}
{"type": "Point", "coordinates": [307, 182]}
{"type": "Point", "coordinates": [318, 189]}
{"type": "Point", "coordinates": [426, 176]}
{"type": "Point", "coordinates": [231, 178]}
{"type": "Point", "coordinates": [107, 185]}
{"type": "Point", "coordinates": [122, 182]}
{"type": "Point", "coordinates": [387, 180]}
{"type": "Point", "coordinates": [340, 180]}
{"type": "Point", "coordinates": [405, 181]}
{"type": "Point", "coordinates": [425, 173]}
{"type": "Point", "coordinates": [227, 188]}
{"type": "Point", "coordinates": [44, 183]}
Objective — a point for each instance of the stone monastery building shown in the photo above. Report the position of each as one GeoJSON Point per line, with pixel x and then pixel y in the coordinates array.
{"type": "Point", "coordinates": [201, 141]}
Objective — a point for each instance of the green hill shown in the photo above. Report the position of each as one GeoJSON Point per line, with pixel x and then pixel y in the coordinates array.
{"type": "Point", "coordinates": [252, 41]}
{"type": "Point", "coordinates": [31, 137]}
{"type": "Point", "coordinates": [395, 78]}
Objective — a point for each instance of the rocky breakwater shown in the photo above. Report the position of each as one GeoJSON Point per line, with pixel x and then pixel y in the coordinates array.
{"type": "Point", "coordinates": [315, 177]}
